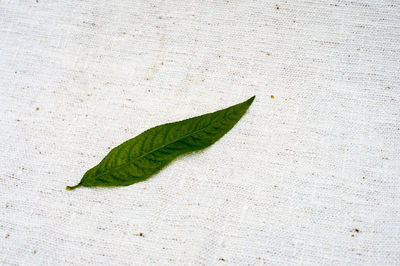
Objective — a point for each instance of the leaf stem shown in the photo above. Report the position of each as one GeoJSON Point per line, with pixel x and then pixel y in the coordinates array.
{"type": "Point", "coordinates": [73, 187]}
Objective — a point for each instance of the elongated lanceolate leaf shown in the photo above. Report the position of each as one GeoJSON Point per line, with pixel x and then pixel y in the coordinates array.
{"type": "Point", "coordinates": [139, 158]}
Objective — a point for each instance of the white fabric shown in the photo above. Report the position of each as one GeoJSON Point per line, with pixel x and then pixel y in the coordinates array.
{"type": "Point", "coordinates": [310, 177]}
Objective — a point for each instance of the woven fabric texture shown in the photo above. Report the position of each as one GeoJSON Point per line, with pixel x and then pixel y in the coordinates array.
{"type": "Point", "coordinates": [309, 176]}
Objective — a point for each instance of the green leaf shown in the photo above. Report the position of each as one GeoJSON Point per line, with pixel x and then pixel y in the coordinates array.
{"type": "Point", "coordinates": [141, 157]}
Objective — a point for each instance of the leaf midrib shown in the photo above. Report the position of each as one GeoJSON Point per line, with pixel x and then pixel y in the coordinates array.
{"type": "Point", "coordinates": [124, 164]}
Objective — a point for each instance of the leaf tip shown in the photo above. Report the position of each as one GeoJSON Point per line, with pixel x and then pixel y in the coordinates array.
{"type": "Point", "coordinates": [251, 99]}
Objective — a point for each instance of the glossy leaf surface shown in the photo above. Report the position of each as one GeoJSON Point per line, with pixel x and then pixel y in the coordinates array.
{"type": "Point", "coordinates": [141, 157]}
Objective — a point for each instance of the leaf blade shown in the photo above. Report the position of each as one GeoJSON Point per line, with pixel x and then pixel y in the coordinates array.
{"type": "Point", "coordinates": [144, 155]}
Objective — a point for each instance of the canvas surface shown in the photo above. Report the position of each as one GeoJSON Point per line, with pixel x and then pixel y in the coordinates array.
{"type": "Point", "coordinates": [308, 177]}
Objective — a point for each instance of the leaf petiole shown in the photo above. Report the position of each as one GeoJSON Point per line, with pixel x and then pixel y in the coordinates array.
{"type": "Point", "coordinates": [73, 187]}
